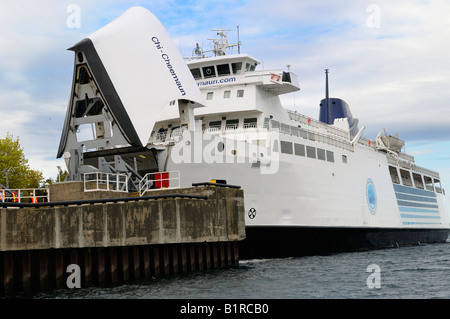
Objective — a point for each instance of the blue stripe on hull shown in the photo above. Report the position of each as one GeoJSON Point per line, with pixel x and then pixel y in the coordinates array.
{"type": "Point", "coordinates": [415, 205]}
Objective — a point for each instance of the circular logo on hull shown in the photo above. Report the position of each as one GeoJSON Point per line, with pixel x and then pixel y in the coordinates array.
{"type": "Point", "coordinates": [371, 196]}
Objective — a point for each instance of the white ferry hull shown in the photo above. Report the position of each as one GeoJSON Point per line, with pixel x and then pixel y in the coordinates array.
{"type": "Point", "coordinates": [309, 186]}
{"type": "Point", "coordinates": [310, 206]}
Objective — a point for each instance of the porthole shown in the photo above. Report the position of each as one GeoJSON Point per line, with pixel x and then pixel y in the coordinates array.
{"type": "Point", "coordinates": [220, 146]}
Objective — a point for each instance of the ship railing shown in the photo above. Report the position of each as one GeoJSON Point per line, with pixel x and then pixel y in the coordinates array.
{"type": "Point", "coordinates": [251, 125]}
{"type": "Point", "coordinates": [165, 137]}
{"type": "Point", "coordinates": [157, 137]}
{"type": "Point", "coordinates": [159, 180]}
{"type": "Point", "coordinates": [100, 181]}
{"type": "Point", "coordinates": [25, 195]}
{"type": "Point", "coordinates": [213, 129]}
{"type": "Point", "coordinates": [282, 127]}
{"type": "Point", "coordinates": [235, 127]}
{"type": "Point", "coordinates": [312, 135]}
{"type": "Point", "coordinates": [303, 119]}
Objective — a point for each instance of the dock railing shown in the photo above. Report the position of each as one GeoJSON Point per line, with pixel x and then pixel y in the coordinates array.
{"type": "Point", "coordinates": [159, 180]}
{"type": "Point", "coordinates": [25, 195]}
{"type": "Point", "coordinates": [99, 181]}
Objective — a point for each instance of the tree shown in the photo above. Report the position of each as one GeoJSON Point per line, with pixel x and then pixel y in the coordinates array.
{"type": "Point", "coordinates": [60, 178]}
{"type": "Point", "coordinates": [61, 175]}
{"type": "Point", "coordinates": [14, 166]}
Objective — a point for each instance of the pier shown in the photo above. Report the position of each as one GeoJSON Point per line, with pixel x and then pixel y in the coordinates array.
{"type": "Point", "coordinates": [110, 238]}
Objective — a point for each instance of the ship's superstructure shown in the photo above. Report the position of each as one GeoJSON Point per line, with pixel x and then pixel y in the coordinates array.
{"type": "Point", "coordinates": [311, 186]}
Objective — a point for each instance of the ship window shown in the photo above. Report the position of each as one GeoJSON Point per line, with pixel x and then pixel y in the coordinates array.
{"type": "Point", "coordinates": [232, 124]}
{"type": "Point", "coordinates": [418, 180]}
{"type": "Point", "coordinates": [209, 95]}
{"type": "Point", "coordinates": [437, 183]}
{"type": "Point", "coordinates": [223, 69]}
{"type": "Point", "coordinates": [220, 146]}
{"type": "Point", "coordinates": [240, 93]}
{"type": "Point", "coordinates": [226, 94]}
{"type": "Point", "coordinates": [236, 67]}
{"type": "Point", "coordinates": [250, 122]}
{"type": "Point", "coordinates": [285, 128]}
{"type": "Point", "coordinates": [394, 175]}
{"type": "Point", "coordinates": [299, 149]}
{"type": "Point", "coordinates": [215, 124]}
{"type": "Point", "coordinates": [321, 154]}
{"type": "Point", "coordinates": [310, 151]}
{"type": "Point", "coordinates": [344, 159]}
{"type": "Point", "coordinates": [330, 156]}
{"type": "Point", "coordinates": [252, 67]}
{"type": "Point", "coordinates": [303, 133]}
{"type": "Point", "coordinates": [196, 73]}
{"type": "Point", "coordinates": [208, 71]}
{"type": "Point", "coordinates": [247, 67]}
{"type": "Point", "coordinates": [172, 102]}
{"type": "Point", "coordinates": [275, 124]}
{"type": "Point", "coordinates": [428, 183]}
{"type": "Point", "coordinates": [406, 177]}
{"type": "Point", "coordinates": [286, 147]}
{"type": "Point", "coordinates": [294, 130]}
{"type": "Point", "coordinates": [311, 136]}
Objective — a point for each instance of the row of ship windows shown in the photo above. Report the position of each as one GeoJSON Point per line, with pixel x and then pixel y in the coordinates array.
{"type": "Point", "coordinates": [306, 150]}
{"type": "Point", "coordinates": [221, 70]}
{"type": "Point", "coordinates": [413, 179]}
{"type": "Point", "coordinates": [226, 94]}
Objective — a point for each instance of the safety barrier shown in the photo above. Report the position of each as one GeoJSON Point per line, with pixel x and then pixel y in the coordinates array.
{"type": "Point", "coordinates": [25, 195]}
{"type": "Point", "coordinates": [159, 180]}
{"type": "Point", "coordinates": [99, 181]}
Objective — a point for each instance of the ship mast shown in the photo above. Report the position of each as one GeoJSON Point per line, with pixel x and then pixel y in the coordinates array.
{"type": "Point", "coordinates": [221, 45]}
{"type": "Point", "coordinates": [326, 94]}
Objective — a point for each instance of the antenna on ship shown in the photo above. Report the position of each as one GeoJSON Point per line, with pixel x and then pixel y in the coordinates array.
{"type": "Point", "coordinates": [326, 93]}
{"type": "Point", "coordinates": [239, 42]}
{"type": "Point", "coordinates": [220, 45]}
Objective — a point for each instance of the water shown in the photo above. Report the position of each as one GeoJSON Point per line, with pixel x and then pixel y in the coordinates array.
{"type": "Point", "coordinates": [418, 272]}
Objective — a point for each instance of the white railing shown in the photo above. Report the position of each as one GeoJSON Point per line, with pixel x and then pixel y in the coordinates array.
{"type": "Point", "coordinates": [98, 181]}
{"type": "Point", "coordinates": [25, 195]}
{"type": "Point", "coordinates": [159, 180]}
{"type": "Point", "coordinates": [339, 139]}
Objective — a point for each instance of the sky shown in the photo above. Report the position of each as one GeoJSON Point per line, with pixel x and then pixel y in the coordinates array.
{"type": "Point", "coordinates": [389, 60]}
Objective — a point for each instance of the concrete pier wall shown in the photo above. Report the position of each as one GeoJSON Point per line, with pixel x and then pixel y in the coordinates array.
{"type": "Point", "coordinates": [120, 241]}
{"type": "Point", "coordinates": [162, 221]}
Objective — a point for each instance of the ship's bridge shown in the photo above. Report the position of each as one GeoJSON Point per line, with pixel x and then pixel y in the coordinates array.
{"type": "Point", "coordinates": [240, 69]}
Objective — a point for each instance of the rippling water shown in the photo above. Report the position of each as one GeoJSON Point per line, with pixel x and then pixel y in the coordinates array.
{"type": "Point", "coordinates": [406, 272]}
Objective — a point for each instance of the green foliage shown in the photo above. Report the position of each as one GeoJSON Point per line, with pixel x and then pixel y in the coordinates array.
{"type": "Point", "coordinates": [14, 163]}
{"type": "Point", "coordinates": [60, 178]}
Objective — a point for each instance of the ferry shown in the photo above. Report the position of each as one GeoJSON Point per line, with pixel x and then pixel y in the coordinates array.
{"type": "Point", "coordinates": [311, 186]}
